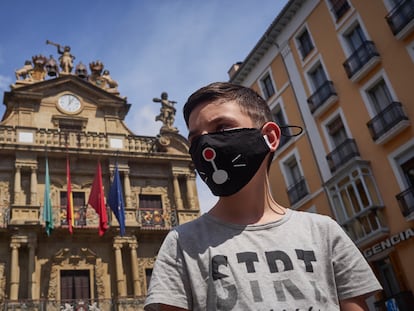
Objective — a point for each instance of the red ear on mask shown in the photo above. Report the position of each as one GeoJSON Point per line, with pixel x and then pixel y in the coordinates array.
{"type": "Point", "coordinates": [272, 131]}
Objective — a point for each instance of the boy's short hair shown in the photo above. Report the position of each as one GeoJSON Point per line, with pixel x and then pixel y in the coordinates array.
{"type": "Point", "coordinates": [250, 102]}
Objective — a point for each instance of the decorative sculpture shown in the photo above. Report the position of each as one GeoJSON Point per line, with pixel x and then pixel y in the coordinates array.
{"type": "Point", "coordinates": [25, 72]}
{"type": "Point", "coordinates": [66, 58]}
{"type": "Point", "coordinates": [167, 112]}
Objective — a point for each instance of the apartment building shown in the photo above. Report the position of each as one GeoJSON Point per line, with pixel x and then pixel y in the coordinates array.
{"type": "Point", "coordinates": [343, 70]}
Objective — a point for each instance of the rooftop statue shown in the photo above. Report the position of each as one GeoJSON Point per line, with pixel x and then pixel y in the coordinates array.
{"type": "Point", "coordinates": [167, 112]}
{"type": "Point", "coordinates": [66, 58]}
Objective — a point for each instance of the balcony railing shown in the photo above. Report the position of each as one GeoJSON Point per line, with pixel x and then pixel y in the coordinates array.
{"type": "Point", "coordinates": [12, 136]}
{"type": "Point", "coordinates": [406, 202]}
{"type": "Point", "coordinates": [321, 95]}
{"type": "Point", "coordinates": [339, 8]}
{"type": "Point", "coordinates": [297, 191]}
{"type": "Point", "coordinates": [127, 303]}
{"type": "Point", "coordinates": [360, 57]}
{"type": "Point", "coordinates": [387, 119]}
{"type": "Point", "coordinates": [403, 300]}
{"type": "Point", "coordinates": [400, 16]}
{"type": "Point", "coordinates": [342, 154]}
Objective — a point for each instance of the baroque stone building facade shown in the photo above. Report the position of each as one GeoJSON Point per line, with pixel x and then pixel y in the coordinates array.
{"type": "Point", "coordinates": [56, 112]}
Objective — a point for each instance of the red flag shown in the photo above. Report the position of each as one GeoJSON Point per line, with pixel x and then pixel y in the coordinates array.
{"type": "Point", "coordinates": [97, 200]}
{"type": "Point", "coordinates": [69, 199]}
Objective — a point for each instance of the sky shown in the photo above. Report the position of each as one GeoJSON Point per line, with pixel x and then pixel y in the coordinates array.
{"type": "Point", "coordinates": [149, 46]}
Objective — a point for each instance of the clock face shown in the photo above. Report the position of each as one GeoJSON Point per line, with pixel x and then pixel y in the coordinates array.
{"type": "Point", "coordinates": [69, 103]}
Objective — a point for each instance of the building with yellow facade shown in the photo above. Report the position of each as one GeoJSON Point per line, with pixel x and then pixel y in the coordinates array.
{"type": "Point", "coordinates": [344, 71]}
{"type": "Point", "coordinates": [72, 118]}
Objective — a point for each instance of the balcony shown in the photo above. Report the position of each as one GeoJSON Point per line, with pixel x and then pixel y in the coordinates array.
{"type": "Point", "coordinates": [339, 8]}
{"type": "Point", "coordinates": [322, 98]}
{"type": "Point", "coordinates": [401, 19]}
{"type": "Point", "coordinates": [366, 226]}
{"type": "Point", "coordinates": [342, 154]}
{"type": "Point", "coordinates": [32, 138]}
{"type": "Point", "coordinates": [403, 300]}
{"type": "Point", "coordinates": [361, 61]}
{"type": "Point", "coordinates": [127, 303]}
{"type": "Point", "coordinates": [406, 202]}
{"type": "Point", "coordinates": [297, 191]}
{"type": "Point", "coordinates": [388, 123]}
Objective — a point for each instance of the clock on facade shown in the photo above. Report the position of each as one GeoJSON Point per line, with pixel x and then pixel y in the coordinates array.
{"type": "Point", "coordinates": [69, 103]}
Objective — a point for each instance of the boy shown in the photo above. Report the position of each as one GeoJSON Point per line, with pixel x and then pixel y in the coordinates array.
{"type": "Point", "coordinates": [248, 252]}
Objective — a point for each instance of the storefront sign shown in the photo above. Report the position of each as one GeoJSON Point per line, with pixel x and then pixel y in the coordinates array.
{"type": "Point", "coordinates": [388, 243]}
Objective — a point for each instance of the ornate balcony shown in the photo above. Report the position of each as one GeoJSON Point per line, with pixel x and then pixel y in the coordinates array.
{"type": "Point", "coordinates": [297, 191]}
{"type": "Point", "coordinates": [342, 154]}
{"type": "Point", "coordinates": [401, 18]}
{"type": "Point", "coordinates": [388, 123]}
{"type": "Point", "coordinates": [361, 61]}
{"type": "Point", "coordinates": [32, 138]}
{"type": "Point", "coordinates": [406, 202]}
{"type": "Point", "coordinates": [322, 98]}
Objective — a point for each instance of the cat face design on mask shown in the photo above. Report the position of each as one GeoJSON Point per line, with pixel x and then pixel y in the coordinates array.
{"type": "Point", "coordinates": [226, 161]}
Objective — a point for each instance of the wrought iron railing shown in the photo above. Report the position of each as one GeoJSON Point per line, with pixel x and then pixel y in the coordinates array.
{"type": "Point", "coordinates": [406, 201]}
{"type": "Point", "coordinates": [386, 120]}
{"type": "Point", "coordinates": [360, 57]}
{"type": "Point", "coordinates": [321, 95]}
{"type": "Point", "coordinates": [297, 191]}
{"type": "Point", "coordinates": [342, 154]}
{"type": "Point", "coordinates": [400, 16]}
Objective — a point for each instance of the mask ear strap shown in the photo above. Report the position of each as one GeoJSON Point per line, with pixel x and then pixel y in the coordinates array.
{"type": "Point", "coordinates": [298, 131]}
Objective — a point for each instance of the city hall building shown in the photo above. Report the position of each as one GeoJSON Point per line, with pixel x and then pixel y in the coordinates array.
{"type": "Point", "coordinates": [60, 123]}
{"type": "Point", "coordinates": [343, 70]}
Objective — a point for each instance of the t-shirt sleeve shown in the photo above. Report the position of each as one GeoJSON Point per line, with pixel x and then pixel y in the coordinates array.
{"type": "Point", "coordinates": [169, 281]}
{"type": "Point", "coordinates": [353, 276]}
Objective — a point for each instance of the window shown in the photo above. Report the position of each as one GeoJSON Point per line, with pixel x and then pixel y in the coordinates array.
{"type": "Point", "coordinates": [380, 96]}
{"type": "Point", "coordinates": [356, 203]}
{"type": "Point", "coordinates": [355, 38]}
{"type": "Point", "coordinates": [79, 208]}
{"type": "Point", "coordinates": [296, 183]}
{"type": "Point", "coordinates": [339, 8]}
{"type": "Point", "coordinates": [337, 132]}
{"type": "Point", "coordinates": [317, 77]}
{"type": "Point", "coordinates": [151, 212]}
{"type": "Point", "coordinates": [74, 285]}
{"type": "Point", "coordinates": [279, 118]}
{"type": "Point", "coordinates": [267, 86]}
{"type": "Point", "coordinates": [305, 44]}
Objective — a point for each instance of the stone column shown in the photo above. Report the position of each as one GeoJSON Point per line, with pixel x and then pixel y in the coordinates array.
{"type": "Point", "coordinates": [14, 271]}
{"type": "Point", "coordinates": [127, 187]}
{"type": "Point", "coordinates": [134, 263]}
{"type": "Point", "coordinates": [33, 187]}
{"type": "Point", "coordinates": [190, 193]}
{"type": "Point", "coordinates": [120, 280]}
{"type": "Point", "coordinates": [177, 193]}
{"type": "Point", "coordinates": [32, 286]}
{"type": "Point", "coordinates": [17, 185]}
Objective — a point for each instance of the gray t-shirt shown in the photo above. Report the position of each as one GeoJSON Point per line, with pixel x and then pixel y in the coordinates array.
{"type": "Point", "coordinates": [303, 261]}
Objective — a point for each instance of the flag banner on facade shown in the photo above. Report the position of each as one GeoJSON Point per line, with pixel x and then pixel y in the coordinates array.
{"type": "Point", "coordinates": [116, 201]}
{"type": "Point", "coordinates": [47, 202]}
{"type": "Point", "coordinates": [97, 200]}
{"type": "Point", "coordinates": [69, 199]}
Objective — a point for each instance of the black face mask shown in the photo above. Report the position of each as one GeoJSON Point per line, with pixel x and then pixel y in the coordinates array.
{"type": "Point", "coordinates": [228, 160]}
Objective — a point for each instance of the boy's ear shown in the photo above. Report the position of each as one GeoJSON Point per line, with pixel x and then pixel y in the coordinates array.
{"type": "Point", "coordinates": [272, 131]}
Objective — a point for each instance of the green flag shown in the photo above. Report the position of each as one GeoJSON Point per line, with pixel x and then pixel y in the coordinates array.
{"type": "Point", "coordinates": [47, 204]}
